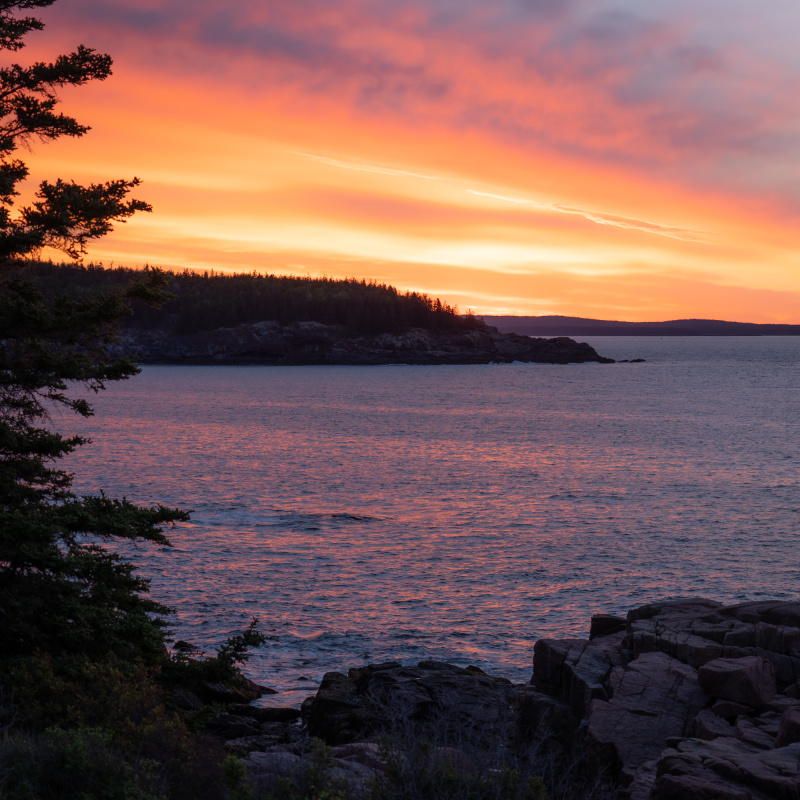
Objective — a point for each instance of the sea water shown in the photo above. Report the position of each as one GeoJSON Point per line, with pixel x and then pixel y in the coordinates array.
{"type": "Point", "coordinates": [459, 513]}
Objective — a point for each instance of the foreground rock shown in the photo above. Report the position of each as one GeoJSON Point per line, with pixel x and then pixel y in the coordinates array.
{"type": "Point", "coordinates": [692, 701]}
{"type": "Point", "coordinates": [380, 714]}
{"type": "Point", "coordinates": [681, 700]}
{"type": "Point", "coordinates": [315, 343]}
{"type": "Point", "coordinates": [383, 697]}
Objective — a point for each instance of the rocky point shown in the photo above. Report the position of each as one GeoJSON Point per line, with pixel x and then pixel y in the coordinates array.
{"type": "Point", "coordinates": [314, 343]}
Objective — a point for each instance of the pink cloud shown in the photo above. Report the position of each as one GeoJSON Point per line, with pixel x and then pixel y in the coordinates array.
{"type": "Point", "coordinates": [673, 91]}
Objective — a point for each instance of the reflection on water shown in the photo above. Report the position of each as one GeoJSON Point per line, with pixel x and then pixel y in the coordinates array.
{"type": "Point", "coordinates": [458, 513]}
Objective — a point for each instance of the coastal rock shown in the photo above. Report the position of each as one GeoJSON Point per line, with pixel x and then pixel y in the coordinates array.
{"type": "Point", "coordinates": [373, 698]}
{"type": "Point", "coordinates": [315, 343]}
{"type": "Point", "coordinates": [727, 770]}
{"type": "Point", "coordinates": [186, 700]}
{"type": "Point", "coordinates": [789, 729]}
{"type": "Point", "coordinates": [576, 670]}
{"type": "Point", "coordinates": [243, 691]}
{"type": "Point", "coordinates": [604, 624]}
{"type": "Point", "coordinates": [544, 718]}
{"type": "Point", "coordinates": [264, 767]}
{"type": "Point", "coordinates": [652, 699]}
{"type": "Point", "coordinates": [344, 777]}
{"type": "Point", "coordinates": [693, 686]}
{"type": "Point", "coordinates": [339, 714]}
{"type": "Point", "coordinates": [270, 736]}
{"type": "Point", "coordinates": [749, 680]}
{"type": "Point", "coordinates": [708, 725]}
{"type": "Point", "coordinates": [696, 631]}
{"type": "Point", "coordinates": [691, 700]}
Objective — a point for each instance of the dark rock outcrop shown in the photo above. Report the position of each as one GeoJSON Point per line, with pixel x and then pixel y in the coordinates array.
{"type": "Point", "coordinates": [653, 699]}
{"type": "Point", "coordinates": [691, 700]}
{"type": "Point", "coordinates": [701, 704]}
{"type": "Point", "coordinates": [749, 680]}
{"type": "Point", "coordinates": [239, 691]}
{"type": "Point", "coordinates": [315, 343]}
{"type": "Point", "coordinates": [380, 697]}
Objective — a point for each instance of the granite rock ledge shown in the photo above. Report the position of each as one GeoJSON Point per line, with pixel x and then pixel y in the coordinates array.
{"type": "Point", "coordinates": [691, 700]}
{"type": "Point", "coordinates": [679, 700]}
{"type": "Point", "coordinates": [314, 343]}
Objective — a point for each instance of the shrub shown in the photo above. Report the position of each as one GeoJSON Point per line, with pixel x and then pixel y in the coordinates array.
{"type": "Point", "coordinates": [73, 765]}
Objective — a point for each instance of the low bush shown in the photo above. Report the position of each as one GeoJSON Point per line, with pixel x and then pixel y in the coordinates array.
{"type": "Point", "coordinates": [74, 765]}
{"type": "Point", "coordinates": [74, 706]}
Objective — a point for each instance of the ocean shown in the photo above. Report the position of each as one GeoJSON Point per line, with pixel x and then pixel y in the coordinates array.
{"type": "Point", "coordinates": [458, 513]}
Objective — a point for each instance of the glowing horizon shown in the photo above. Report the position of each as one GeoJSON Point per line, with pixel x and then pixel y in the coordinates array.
{"type": "Point", "coordinates": [575, 158]}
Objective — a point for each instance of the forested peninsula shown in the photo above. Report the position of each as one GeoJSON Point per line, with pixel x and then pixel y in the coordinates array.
{"type": "Point", "coordinates": [216, 318]}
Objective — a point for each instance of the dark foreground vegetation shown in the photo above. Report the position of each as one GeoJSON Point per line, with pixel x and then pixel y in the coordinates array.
{"type": "Point", "coordinates": [206, 301]}
{"type": "Point", "coordinates": [88, 688]}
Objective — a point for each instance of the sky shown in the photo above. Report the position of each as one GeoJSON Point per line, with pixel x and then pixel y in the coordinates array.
{"type": "Point", "coordinates": [614, 159]}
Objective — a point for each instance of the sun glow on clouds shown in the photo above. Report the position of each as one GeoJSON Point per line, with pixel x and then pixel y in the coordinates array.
{"type": "Point", "coordinates": [590, 158]}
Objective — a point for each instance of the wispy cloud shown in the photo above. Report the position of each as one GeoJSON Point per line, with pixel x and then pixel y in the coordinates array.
{"type": "Point", "coordinates": [360, 166]}
{"type": "Point", "coordinates": [674, 89]}
{"type": "Point", "coordinates": [602, 219]}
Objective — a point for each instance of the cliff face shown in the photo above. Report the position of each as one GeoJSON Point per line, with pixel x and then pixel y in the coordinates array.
{"type": "Point", "coordinates": [315, 343]}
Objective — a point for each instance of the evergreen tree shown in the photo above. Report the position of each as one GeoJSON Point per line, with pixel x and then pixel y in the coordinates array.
{"type": "Point", "coordinates": [61, 589]}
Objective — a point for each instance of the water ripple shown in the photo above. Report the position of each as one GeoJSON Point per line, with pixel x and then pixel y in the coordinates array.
{"type": "Point", "coordinates": [456, 513]}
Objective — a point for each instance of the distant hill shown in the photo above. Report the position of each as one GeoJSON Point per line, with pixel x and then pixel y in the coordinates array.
{"type": "Point", "coordinates": [579, 326]}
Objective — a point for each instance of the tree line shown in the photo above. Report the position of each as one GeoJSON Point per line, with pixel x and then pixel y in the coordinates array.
{"type": "Point", "coordinates": [203, 301]}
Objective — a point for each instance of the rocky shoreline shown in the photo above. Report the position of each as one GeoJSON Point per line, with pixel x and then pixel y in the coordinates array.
{"type": "Point", "coordinates": [302, 343]}
{"type": "Point", "coordinates": [680, 700]}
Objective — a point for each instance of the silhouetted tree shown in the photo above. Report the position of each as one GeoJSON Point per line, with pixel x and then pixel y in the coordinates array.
{"type": "Point", "coordinates": [61, 591]}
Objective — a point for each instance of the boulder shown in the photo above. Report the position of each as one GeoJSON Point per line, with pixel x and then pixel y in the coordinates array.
{"type": "Point", "coordinates": [272, 735]}
{"type": "Point", "coordinates": [749, 680]}
{"type": "Point", "coordinates": [707, 725]}
{"type": "Point", "coordinates": [339, 714]}
{"type": "Point", "coordinates": [541, 717]}
{"type": "Point", "coordinates": [690, 606]}
{"type": "Point", "coordinates": [383, 697]}
{"type": "Point", "coordinates": [726, 769]}
{"type": "Point", "coordinates": [576, 670]}
{"type": "Point", "coordinates": [433, 690]}
{"type": "Point", "coordinates": [549, 656]}
{"type": "Point", "coordinates": [729, 710]}
{"type": "Point", "coordinates": [749, 731]}
{"type": "Point", "coordinates": [242, 691]}
{"type": "Point", "coordinates": [674, 636]}
{"type": "Point", "coordinates": [366, 753]}
{"type": "Point", "coordinates": [277, 771]}
{"type": "Point", "coordinates": [604, 624]}
{"type": "Point", "coordinates": [653, 699]}
{"type": "Point", "coordinates": [274, 764]}
{"type": "Point", "coordinates": [789, 729]}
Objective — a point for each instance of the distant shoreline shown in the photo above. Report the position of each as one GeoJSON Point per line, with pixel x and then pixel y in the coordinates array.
{"type": "Point", "coordinates": [553, 325]}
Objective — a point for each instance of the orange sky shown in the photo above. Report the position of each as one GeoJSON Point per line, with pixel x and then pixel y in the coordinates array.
{"type": "Point", "coordinates": [522, 157]}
